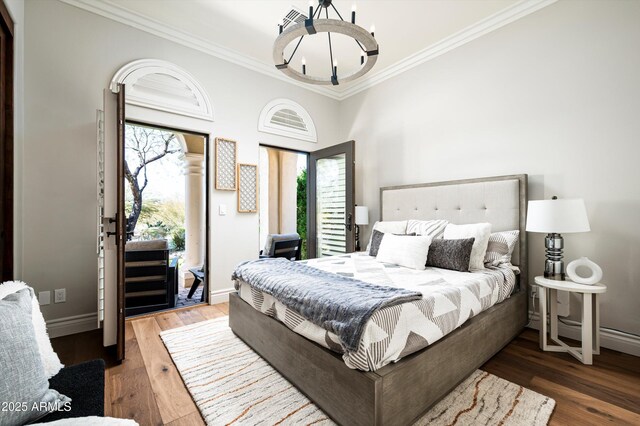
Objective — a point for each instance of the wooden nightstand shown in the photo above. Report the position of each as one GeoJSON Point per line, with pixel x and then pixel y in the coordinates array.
{"type": "Point", "coordinates": [590, 317]}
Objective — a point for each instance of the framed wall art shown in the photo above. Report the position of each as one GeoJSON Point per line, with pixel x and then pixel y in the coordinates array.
{"type": "Point", "coordinates": [248, 188]}
{"type": "Point", "coordinates": [226, 160]}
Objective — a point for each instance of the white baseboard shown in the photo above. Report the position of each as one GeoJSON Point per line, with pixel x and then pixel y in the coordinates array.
{"type": "Point", "coordinates": [72, 325]}
{"type": "Point", "coordinates": [610, 339]}
{"type": "Point", "coordinates": [220, 296]}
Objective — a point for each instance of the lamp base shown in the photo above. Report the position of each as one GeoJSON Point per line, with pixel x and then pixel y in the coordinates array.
{"type": "Point", "coordinates": [553, 265]}
{"type": "Point", "coordinates": [357, 229]}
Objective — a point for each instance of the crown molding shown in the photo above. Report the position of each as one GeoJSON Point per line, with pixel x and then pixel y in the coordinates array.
{"type": "Point", "coordinates": [480, 28]}
{"type": "Point", "coordinates": [133, 19]}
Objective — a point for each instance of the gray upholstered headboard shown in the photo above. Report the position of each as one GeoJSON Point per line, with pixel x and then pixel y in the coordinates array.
{"type": "Point", "coordinates": [500, 200]}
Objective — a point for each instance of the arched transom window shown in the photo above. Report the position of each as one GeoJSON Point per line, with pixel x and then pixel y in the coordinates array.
{"type": "Point", "coordinates": [285, 117]}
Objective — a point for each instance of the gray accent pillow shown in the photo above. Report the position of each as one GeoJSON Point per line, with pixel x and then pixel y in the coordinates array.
{"type": "Point", "coordinates": [450, 254]}
{"type": "Point", "coordinates": [22, 378]}
{"type": "Point", "coordinates": [376, 239]}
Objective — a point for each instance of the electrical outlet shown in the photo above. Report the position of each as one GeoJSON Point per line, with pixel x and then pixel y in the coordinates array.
{"type": "Point", "coordinates": [222, 209]}
{"type": "Point", "coordinates": [60, 295]}
{"type": "Point", "coordinates": [44, 297]}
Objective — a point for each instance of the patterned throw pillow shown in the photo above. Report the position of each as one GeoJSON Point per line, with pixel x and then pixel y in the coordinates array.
{"type": "Point", "coordinates": [450, 254]}
{"type": "Point", "coordinates": [376, 239]}
{"type": "Point", "coordinates": [501, 246]}
{"type": "Point", "coordinates": [432, 228]}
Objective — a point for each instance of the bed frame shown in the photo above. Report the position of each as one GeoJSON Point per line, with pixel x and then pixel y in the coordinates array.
{"type": "Point", "coordinates": [399, 393]}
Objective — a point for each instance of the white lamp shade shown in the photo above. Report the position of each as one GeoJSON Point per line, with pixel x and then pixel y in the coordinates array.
{"type": "Point", "coordinates": [557, 216]}
{"type": "Point", "coordinates": [362, 215]}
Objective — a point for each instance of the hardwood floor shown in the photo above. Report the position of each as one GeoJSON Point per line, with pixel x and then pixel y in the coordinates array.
{"type": "Point", "coordinates": [147, 387]}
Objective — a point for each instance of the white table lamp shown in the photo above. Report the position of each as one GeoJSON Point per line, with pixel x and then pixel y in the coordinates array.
{"type": "Point", "coordinates": [362, 218]}
{"type": "Point", "coordinates": [555, 217]}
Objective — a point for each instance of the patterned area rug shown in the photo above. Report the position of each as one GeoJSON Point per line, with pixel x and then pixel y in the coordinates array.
{"type": "Point", "coordinates": [231, 384]}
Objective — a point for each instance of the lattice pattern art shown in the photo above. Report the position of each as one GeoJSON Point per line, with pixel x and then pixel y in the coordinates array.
{"type": "Point", "coordinates": [226, 154]}
{"type": "Point", "coordinates": [248, 190]}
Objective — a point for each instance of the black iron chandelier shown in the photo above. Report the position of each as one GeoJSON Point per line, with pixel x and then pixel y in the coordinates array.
{"type": "Point", "coordinates": [315, 24]}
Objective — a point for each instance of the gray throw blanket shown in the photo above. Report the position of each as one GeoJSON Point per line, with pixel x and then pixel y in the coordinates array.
{"type": "Point", "coordinates": [338, 304]}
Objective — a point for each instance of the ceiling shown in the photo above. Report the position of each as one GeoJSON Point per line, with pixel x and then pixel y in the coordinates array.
{"type": "Point", "coordinates": [249, 27]}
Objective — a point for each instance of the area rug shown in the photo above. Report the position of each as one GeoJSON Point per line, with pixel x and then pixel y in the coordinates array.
{"type": "Point", "coordinates": [231, 384]}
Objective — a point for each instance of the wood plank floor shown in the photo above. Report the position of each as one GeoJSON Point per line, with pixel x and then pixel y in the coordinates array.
{"type": "Point", "coordinates": [147, 387]}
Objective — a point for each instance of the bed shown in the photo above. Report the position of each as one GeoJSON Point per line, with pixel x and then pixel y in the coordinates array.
{"type": "Point", "coordinates": [399, 392]}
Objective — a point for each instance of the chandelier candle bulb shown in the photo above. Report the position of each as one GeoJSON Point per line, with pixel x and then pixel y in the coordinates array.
{"type": "Point", "coordinates": [304, 66]}
{"type": "Point", "coordinates": [310, 9]}
{"type": "Point", "coordinates": [373, 30]}
{"type": "Point", "coordinates": [353, 14]}
{"type": "Point", "coordinates": [362, 57]}
{"type": "Point", "coordinates": [335, 68]}
{"type": "Point", "coordinates": [280, 28]}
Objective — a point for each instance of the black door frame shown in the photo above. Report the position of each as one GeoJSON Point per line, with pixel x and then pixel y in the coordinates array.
{"type": "Point", "coordinates": [349, 149]}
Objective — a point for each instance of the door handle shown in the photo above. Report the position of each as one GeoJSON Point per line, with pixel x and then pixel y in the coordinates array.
{"type": "Point", "coordinates": [349, 221]}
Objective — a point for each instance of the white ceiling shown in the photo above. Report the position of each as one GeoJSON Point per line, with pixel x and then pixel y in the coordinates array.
{"type": "Point", "coordinates": [249, 27]}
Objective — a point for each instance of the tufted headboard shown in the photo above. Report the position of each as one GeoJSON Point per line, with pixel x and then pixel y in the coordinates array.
{"type": "Point", "coordinates": [500, 200]}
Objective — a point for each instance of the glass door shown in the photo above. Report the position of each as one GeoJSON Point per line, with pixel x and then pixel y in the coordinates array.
{"type": "Point", "coordinates": [331, 200]}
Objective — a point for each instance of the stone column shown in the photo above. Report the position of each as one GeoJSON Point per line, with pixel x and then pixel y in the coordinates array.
{"type": "Point", "coordinates": [194, 211]}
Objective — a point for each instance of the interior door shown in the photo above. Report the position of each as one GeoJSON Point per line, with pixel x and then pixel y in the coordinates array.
{"type": "Point", "coordinates": [114, 219]}
{"type": "Point", "coordinates": [331, 206]}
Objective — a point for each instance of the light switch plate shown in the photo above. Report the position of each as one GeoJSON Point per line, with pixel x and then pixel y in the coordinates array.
{"type": "Point", "coordinates": [222, 209]}
{"type": "Point", "coordinates": [44, 297]}
{"type": "Point", "coordinates": [60, 295]}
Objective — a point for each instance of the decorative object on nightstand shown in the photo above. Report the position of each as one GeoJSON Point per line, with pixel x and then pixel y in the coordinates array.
{"type": "Point", "coordinates": [585, 262]}
{"type": "Point", "coordinates": [590, 317]}
{"type": "Point", "coordinates": [555, 217]}
{"type": "Point", "coordinates": [362, 218]}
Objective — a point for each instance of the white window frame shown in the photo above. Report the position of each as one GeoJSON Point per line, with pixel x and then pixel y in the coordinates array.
{"type": "Point", "coordinates": [265, 125]}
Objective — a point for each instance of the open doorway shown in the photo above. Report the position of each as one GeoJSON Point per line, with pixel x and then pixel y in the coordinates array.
{"type": "Point", "coordinates": [165, 180]}
{"type": "Point", "coordinates": [283, 195]}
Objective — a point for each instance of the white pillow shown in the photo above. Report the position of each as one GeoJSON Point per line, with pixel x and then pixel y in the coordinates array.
{"type": "Point", "coordinates": [432, 228]}
{"type": "Point", "coordinates": [408, 251]}
{"type": "Point", "coordinates": [50, 360]}
{"type": "Point", "coordinates": [388, 227]}
{"type": "Point", "coordinates": [479, 231]}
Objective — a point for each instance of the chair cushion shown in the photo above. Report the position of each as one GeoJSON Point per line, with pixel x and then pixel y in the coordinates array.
{"type": "Point", "coordinates": [271, 238]}
{"type": "Point", "coordinates": [147, 245]}
{"type": "Point", "coordinates": [84, 384]}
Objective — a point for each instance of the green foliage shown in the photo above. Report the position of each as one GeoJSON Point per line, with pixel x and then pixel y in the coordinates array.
{"type": "Point", "coordinates": [161, 219]}
{"type": "Point", "coordinates": [302, 210]}
{"type": "Point", "coordinates": [179, 238]}
{"type": "Point", "coordinates": [154, 230]}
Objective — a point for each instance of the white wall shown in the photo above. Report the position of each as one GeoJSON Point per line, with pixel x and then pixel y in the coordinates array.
{"type": "Point", "coordinates": [16, 10]}
{"type": "Point", "coordinates": [71, 56]}
{"type": "Point", "coordinates": [555, 95]}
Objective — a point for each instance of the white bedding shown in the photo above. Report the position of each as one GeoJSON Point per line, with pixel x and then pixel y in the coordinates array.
{"type": "Point", "coordinates": [449, 299]}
